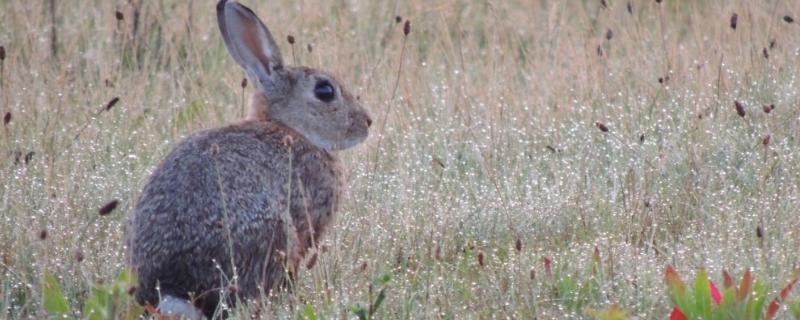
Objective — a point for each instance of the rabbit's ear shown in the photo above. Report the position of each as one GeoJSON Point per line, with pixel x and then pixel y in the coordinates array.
{"type": "Point", "coordinates": [248, 40]}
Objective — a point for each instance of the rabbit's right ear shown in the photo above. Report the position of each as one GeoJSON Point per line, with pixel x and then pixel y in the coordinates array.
{"type": "Point", "coordinates": [249, 41]}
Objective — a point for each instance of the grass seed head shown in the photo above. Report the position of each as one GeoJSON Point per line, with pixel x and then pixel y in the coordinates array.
{"type": "Point", "coordinates": [244, 82]}
{"type": "Point", "coordinates": [29, 157]}
{"type": "Point", "coordinates": [766, 140]}
{"type": "Point", "coordinates": [518, 245]}
{"type": "Point", "coordinates": [601, 126]}
{"type": "Point", "coordinates": [739, 108]}
{"type": "Point", "coordinates": [309, 48]}
{"type": "Point", "coordinates": [788, 19]}
{"type": "Point", "coordinates": [118, 14]}
{"type": "Point", "coordinates": [43, 234]}
{"type": "Point", "coordinates": [7, 118]}
{"type": "Point", "coordinates": [407, 27]}
{"type": "Point", "coordinates": [108, 207]}
{"type": "Point", "coordinates": [767, 108]}
{"type": "Point", "coordinates": [79, 256]}
{"type": "Point", "coordinates": [398, 19]}
{"type": "Point", "coordinates": [311, 261]}
{"type": "Point", "coordinates": [111, 104]}
{"type": "Point", "coordinates": [609, 34]}
{"type": "Point", "coordinates": [480, 258]}
{"type": "Point", "coordinates": [629, 6]}
{"type": "Point", "coordinates": [2, 53]}
{"type": "Point", "coordinates": [290, 39]}
{"type": "Point", "coordinates": [734, 21]}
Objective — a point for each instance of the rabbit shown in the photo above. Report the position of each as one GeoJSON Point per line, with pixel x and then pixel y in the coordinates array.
{"type": "Point", "coordinates": [230, 211]}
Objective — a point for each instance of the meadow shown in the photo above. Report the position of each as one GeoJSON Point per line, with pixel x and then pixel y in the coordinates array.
{"type": "Point", "coordinates": [529, 159]}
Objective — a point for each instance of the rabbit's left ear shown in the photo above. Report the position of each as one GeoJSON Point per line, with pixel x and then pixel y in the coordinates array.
{"type": "Point", "coordinates": [248, 40]}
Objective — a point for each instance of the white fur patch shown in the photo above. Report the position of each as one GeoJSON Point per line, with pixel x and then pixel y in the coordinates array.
{"type": "Point", "coordinates": [172, 306]}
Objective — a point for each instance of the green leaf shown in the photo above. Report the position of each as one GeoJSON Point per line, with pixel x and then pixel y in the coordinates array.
{"type": "Point", "coordinates": [378, 301]}
{"type": "Point", "coordinates": [382, 279]}
{"type": "Point", "coordinates": [702, 294]}
{"type": "Point", "coordinates": [309, 313]}
{"type": "Point", "coordinates": [54, 301]}
{"type": "Point", "coordinates": [97, 306]}
{"type": "Point", "coordinates": [794, 309]}
{"type": "Point", "coordinates": [359, 311]}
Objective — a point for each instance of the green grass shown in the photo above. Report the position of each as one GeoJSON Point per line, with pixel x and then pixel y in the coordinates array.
{"type": "Point", "coordinates": [490, 137]}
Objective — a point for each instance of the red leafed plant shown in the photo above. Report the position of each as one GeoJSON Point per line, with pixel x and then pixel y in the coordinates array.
{"type": "Point", "coordinates": [704, 301]}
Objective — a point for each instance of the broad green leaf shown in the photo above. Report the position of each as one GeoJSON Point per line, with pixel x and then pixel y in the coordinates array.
{"type": "Point", "coordinates": [54, 301]}
{"type": "Point", "coordinates": [702, 294]}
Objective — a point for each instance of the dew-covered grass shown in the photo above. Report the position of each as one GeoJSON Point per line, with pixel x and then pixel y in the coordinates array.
{"type": "Point", "coordinates": [512, 133]}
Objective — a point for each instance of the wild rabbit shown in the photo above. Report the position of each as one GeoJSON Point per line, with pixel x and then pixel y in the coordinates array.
{"type": "Point", "coordinates": [241, 204]}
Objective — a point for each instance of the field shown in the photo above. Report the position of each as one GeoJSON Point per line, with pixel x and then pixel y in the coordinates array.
{"type": "Point", "coordinates": [529, 158]}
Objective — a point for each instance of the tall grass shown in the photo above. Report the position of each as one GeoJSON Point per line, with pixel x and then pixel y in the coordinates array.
{"type": "Point", "coordinates": [494, 136]}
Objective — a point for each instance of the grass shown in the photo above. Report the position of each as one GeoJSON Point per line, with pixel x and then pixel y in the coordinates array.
{"type": "Point", "coordinates": [490, 138]}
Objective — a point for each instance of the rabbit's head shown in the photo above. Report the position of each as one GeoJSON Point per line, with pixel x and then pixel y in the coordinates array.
{"type": "Point", "coordinates": [309, 101]}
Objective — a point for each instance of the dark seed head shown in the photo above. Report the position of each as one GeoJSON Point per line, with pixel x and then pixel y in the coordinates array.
{"type": "Point", "coordinates": [29, 157]}
{"type": "Point", "coordinates": [398, 19]}
{"type": "Point", "coordinates": [766, 140]}
{"type": "Point", "coordinates": [111, 103]}
{"type": "Point", "coordinates": [641, 138]}
{"type": "Point", "coordinates": [244, 82]}
{"type": "Point", "coordinates": [108, 207]}
{"type": "Point", "coordinates": [518, 245]}
{"type": "Point", "coordinates": [599, 51]}
{"type": "Point", "coordinates": [630, 7]}
{"type": "Point", "coordinates": [480, 258]}
{"type": "Point", "coordinates": [759, 232]}
{"type": "Point", "coordinates": [601, 126]}
{"type": "Point", "coordinates": [79, 256]}
{"type": "Point", "coordinates": [290, 38]}
{"type": "Point", "coordinates": [765, 53]}
{"type": "Point", "coordinates": [772, 44]}
{"type": "Point", "coordinates": [311, 261]}
{"type": "Point", "coordinates": [532, 274]}
{"type": "Point", "coordinates": [7, 118]}
{"type": "Point", "coordinates": [609, 34]}
{"type": "Point", "coordinates": [309, 48]}
{"type": "Point", "coordinates": [43, 234]}
{"type": "Point", "coordinates": [788, 19]}
{"type": "Point", "coordinates": [132, 290]}
{"type": "Point", "coordinates": [2, 53]}
{"type": "Point", "coordinates": [767, 108]}
{"type": "Point", "coordinates": [407, 28]}
{"type": "Point", "coordinates": [739, 108]}
{"type": "Point", "coordinates": [734, 21]}
{"type": "Point", "coordinates": [604, 4]}
{"type": "Point", "coordinates": [119, 15]}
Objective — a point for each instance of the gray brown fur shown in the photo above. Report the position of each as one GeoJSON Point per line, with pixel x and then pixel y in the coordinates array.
{"type": "Point", "coordinates": [178, 233]}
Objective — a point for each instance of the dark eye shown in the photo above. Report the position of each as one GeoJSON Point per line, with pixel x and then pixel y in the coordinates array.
{"type": "Point", "coordinates": [324, 91]}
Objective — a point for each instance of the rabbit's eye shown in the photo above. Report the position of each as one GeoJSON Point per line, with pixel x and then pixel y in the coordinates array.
{"type": "Point", "coordinates": [324, 91]}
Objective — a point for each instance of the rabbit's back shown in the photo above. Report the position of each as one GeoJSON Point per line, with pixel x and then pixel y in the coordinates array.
{"type": "Point", "coordinates": [178, 233]}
